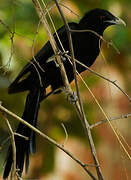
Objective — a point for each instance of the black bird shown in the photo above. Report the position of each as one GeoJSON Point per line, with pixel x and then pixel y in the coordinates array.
{"type": "Point", "coordinates": [42, 72]}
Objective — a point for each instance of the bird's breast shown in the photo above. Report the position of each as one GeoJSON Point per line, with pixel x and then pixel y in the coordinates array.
{"type": "Point", "coordinates": [86, 47]}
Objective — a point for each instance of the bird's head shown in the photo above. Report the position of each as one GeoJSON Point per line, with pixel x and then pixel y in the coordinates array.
{"type": "Point", "coordinates": [99, 19]}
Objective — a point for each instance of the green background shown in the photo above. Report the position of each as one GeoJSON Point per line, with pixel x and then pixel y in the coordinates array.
{"type": "Point", "coordinates": [56, 110]}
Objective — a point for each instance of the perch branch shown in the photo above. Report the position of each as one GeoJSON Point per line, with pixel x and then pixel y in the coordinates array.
{"type": "Point", "coordinates": [4, 110]}
{"type": "Point", "coordinates": [13, 144]}
{"type": "Point", "coordinates": [43, 19]}
{"type": "Point", "coordinates": [103, 77]}
{"type": "Point", "coordinates": [79, 106]}
{"type": "Point", "coordinates": [125, 116]}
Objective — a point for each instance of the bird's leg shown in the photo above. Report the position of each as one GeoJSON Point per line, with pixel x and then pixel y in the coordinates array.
{"type": "Point", "coordinates": [72, 98]}
{"type": "Point", "coordinates": [62, 55]}
{"type": "Point", "coordinates": [52, 58]}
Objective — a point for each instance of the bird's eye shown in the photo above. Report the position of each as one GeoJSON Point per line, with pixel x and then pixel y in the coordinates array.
{"type": "Point", "coordinates": [102, 17]}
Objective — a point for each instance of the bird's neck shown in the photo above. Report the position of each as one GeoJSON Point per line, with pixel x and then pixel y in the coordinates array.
{"type": "Point", "coordinates": [93, 28]}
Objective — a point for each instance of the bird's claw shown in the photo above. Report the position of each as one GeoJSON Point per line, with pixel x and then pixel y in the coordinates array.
{"type": "Point", "coordinates": [72, 98]}
{"type": "Point", "coordinates": [62, 54]}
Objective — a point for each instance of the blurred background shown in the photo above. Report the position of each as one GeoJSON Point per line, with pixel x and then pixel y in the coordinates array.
{"type": "Point", "coordinates": [50, 163]}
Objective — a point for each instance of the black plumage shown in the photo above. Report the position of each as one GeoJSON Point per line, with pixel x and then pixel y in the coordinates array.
{"type": "Point", "coordinates": [86, 49]}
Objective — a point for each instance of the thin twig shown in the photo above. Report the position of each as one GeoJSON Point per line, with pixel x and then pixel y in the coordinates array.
{"type": "Point", "coordinates": [69, 9]}
{"type": "Point", "coordinates": [109, 43]}
{"type": "Point", "coordinates": [43, 19]}
{"type": "Point", "coordinates": [53, 44]}
{"type": "Point", "coordinates": [112, 127]}
{"type": "Point", "coordinates": [101, 76]}
{"type": "Point", "coordinates": [13, 145]}
{"type": "Point", "coordinates": [20, 135]}
{"type": "Point", "coordinates": [66, 134]}
{"type": "Point", "coordinates": [4, 110]}
{"type": "Point", "coordinates": [8, 138]}
{"type": "Point", "coordinates": [6, 26]}
{"type": "Point", "coordinates": [123, 139]}
{"type": "Point", "coordinates": [108, 119]}
{"type": "Point", "coordinates": [106, 116]}
{"type": "Point", "coordinates": [33, 56]}
{"type": "Point", "coordinates": [11, 35]}
{"type": "Point", "coordinates": [4, 143]}
{"type": "Point", "coordinates": [13, 16]}
{"type": "Point", "coordinates": [111, 119]}
{"type": "Point", "coordinates": [91, 142]}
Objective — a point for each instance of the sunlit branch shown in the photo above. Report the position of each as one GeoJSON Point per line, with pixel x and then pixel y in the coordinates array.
{"type": "Point", "coordinates": [125, 116]}
{"type": "Point", "coordinates": [6, 111]}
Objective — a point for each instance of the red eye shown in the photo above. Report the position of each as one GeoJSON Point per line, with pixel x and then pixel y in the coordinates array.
{"type": "Point", "coordinates": [102, 17]}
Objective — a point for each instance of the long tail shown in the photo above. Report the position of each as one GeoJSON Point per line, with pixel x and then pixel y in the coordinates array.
{"type": "Point", "coordinates": [25, 147]}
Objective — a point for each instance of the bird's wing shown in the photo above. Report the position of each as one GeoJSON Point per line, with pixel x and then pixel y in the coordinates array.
{"type": "Point", "coordinates": [21, 83]}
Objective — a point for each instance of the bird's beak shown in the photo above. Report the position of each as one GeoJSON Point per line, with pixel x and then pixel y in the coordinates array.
{"type": "Point", "coordinates": [117, 20]}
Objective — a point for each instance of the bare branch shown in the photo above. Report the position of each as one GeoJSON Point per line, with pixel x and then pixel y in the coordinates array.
{"type": "Point", "coordinates": [4, 110]}
{"type": "Point", "coordinates": [13, 145]}
{"type": "Point", "coordinates": [79, 107]}
{"type": "Point", "coordinates": [53, 43]}
{"type": "Point", "coordinates": [44, 21]}
{"type": "Point", "coordinates": [103, 77]}
{"type": "Point", "coordinates": [11, 35]}
{"type": "Point", "coordinates": [125, 116]}
{"type": "Point", "coordinates": [106, 116]}
{"type": "Point", "coordinates": [109, 43]}
{"type": "Point", "coordinates": [69, 9]}
{"type": "Point", "coordinates": [66, 134]}
{"type": "Point", "coordinates": [4, 143]}
{"type": "Point", "coordinates": [6, 26]}
{"type": "Point", "coordinates": [20, 135]}
{"type": "Point", "coordinates": [91, 143]}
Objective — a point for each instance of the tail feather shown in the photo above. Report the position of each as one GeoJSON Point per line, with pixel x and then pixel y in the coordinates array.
{"type": "Point", "coordinates": [9, 163]}
{"type": "Point", "coordinates": [25, 147]}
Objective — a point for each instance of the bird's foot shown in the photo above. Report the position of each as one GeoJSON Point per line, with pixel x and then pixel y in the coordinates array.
{"type": "Point", "coordinates": [62, 55]}
{"type": "Point", "coordinates": [70, 95]}
{"type": "Point", "coordinates": [72, 98]}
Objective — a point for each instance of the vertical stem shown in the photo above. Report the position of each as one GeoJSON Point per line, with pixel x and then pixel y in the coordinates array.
{"type": "Point", "coordinates": [91, 142]}
{"type": "Point", "coordinates": [79, 107]}
{"type": "Point", "coordinates": [13, 146]}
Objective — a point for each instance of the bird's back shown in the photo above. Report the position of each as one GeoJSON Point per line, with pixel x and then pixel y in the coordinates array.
{"type": "Point", "coordinates": [41, 69]}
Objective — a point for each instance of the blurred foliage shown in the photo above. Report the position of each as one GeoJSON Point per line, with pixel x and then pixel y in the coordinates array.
{"type": "Point", "coordinates": [56, 109]}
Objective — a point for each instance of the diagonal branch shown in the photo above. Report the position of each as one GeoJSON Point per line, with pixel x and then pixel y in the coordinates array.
{"type": "Point", "coordinates": [13, 144]}
{"type": "Point", "coordinates": [83, 165]}
{"type": "Point", "coordinates": [43, 19]}
{"type": "Point", "coordinates": [101, 76]}
{"type": "Point", "coordinates": [125, 116]}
